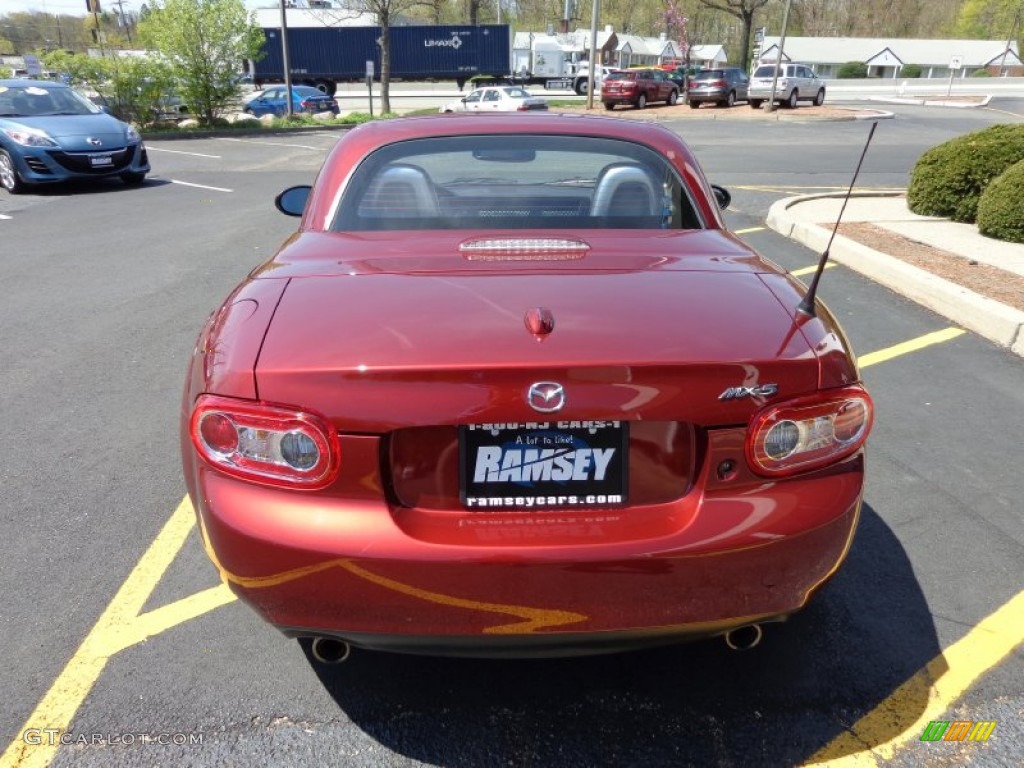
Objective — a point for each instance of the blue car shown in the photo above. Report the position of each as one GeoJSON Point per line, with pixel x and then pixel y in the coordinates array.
{"type": "Point", "coordinates": [49, 133]}
{"type": "Point", "coordinates": [305, 98]}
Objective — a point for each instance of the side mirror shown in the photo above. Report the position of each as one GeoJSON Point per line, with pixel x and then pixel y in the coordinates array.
{"type": "Point", "coordinates": [292, 202]}
{"type": "Point", "coordinates": [722, 196]}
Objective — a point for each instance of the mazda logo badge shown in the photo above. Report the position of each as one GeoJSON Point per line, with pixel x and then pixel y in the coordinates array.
{"type": "Point", "coordinates": [95, 142]}
{"type": "Point", "coordinates": [546, 396]}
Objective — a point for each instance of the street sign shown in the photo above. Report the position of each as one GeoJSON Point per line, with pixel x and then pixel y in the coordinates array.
{"type": "Point", "coordinates": [369, 69]}
{"type": "Point", "coordinates": [956, 62]}
{"type": "Point", "coordinates": [32, 66]}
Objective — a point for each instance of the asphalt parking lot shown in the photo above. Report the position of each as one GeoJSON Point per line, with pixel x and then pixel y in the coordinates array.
{"type": "Point", "coordinates": [118, 634]}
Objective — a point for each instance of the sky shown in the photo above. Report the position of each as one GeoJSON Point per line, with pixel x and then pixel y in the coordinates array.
{"type": "Point", "coordinates": [77, 7]}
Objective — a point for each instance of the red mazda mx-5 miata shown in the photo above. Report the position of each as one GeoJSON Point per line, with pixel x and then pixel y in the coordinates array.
{"type": "Point", "coordinates": [513, 388]}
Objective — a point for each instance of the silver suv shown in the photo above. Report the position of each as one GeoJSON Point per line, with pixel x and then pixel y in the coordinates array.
{"type": "Point", "coordinates": [797, 82]}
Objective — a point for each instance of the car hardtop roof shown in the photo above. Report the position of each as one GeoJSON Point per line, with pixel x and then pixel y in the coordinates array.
{"type": "Point", "coordinates": [382, 132]}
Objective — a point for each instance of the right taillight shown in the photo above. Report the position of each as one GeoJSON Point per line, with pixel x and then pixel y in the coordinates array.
{"type": "Point", "coordinates": [809, 432]}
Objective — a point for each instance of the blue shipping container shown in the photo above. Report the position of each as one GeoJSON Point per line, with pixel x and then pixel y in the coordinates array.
{"type": "Point", "coordinates": [332, 54]}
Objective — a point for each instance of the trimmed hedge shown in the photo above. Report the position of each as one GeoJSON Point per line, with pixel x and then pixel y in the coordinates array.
{"type": "Point", "coordinates": [1001, 208]}
{"type": "Point", "coordinates": [911, 70]}
{"type": "Point", "coordinates": [948, 180]}
{"type": "Point", "coordinates": [852, 70]}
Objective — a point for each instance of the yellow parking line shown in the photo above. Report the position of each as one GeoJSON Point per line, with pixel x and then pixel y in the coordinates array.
{"type": "Point", "coordinates": [118, 627]}
{"type": "Point", "coordinates": [914, 345]}
{"type": "Point", "coordinates": [941, 682]}
{"type": "Point", "coordinates": [811, 270]}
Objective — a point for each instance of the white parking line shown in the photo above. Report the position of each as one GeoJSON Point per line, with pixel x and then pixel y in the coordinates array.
{"type": "Point", "coordinates": [201, 186]}
{"type": "Point", "coordinates": [4, 217]}
{"type": "Point", "coordinates": [268, 143]}
{"type": "Point", "coordinates": [151, 148]}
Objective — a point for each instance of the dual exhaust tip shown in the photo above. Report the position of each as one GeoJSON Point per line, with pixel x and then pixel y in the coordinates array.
{"type": "Point", "coordinates": [329, 650]}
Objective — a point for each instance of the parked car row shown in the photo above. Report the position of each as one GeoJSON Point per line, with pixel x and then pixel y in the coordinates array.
{"type": "Point", "coordinates": [722, 86]}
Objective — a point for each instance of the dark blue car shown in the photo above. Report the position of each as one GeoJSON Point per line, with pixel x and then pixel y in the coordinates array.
{"type": "Point", "coordinates": [49, 133]}
{"type": "Point", "coordinates": [305, 98]}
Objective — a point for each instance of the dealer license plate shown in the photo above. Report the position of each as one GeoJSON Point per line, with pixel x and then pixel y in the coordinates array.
{"type": "Point", "coordinates": [543, 465]}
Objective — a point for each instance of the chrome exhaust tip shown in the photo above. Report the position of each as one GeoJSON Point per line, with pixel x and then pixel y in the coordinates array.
{"type": "Point", "coordinates": [744, 638]}
{"type": "Point", "coordinates": [328, 650]}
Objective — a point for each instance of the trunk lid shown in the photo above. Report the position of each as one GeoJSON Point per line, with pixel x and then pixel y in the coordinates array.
{"type": "Point", "coordinates": [646, 326]}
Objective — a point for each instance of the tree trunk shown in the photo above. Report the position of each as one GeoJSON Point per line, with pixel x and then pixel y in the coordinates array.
{"type": "Point", "coordinates": [385, 63]}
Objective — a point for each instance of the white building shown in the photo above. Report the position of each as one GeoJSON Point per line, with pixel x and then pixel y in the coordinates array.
{"type": "Point", "coordinates": [885, 57]}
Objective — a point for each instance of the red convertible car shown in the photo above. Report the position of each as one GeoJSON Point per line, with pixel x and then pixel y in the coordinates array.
{"type": "Point", "coordinates": [513, 389]}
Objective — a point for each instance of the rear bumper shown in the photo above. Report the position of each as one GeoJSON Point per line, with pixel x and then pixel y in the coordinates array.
{"type": "Point", "coordinates": [352, 568]}
{"type": "Point", "coordinates": [711, 96]}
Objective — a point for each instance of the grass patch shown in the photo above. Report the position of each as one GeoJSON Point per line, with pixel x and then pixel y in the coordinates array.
{"type": "Point", "coordinates": [278, 124]}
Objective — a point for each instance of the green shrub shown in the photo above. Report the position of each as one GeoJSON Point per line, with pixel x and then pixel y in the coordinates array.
{"type": "Point", "coordinates": [949, 179]}
{"type": "Point", "coordinates": [852, 70]}
{"type": "Point", "coordinates": [911, 70]}
{"type": "Point", "coordinates": [981, 73]}
{"type": "Point", "coordinates": [1001, 208]}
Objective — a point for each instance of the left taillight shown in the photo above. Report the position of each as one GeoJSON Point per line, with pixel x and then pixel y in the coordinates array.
{"type": "Point", "coordinates": [810, 432]}
{"type": "Point", "coordinates": [264, 443]}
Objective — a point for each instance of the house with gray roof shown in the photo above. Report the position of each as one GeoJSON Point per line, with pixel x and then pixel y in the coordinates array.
{"type": "Point", "coordinates": [885, 57]}
{"type": "Point", "coordinates": [636, 51]}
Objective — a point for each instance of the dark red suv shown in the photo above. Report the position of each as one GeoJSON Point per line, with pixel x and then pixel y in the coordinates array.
{"type": "Point", "coordinates": [638, 87]}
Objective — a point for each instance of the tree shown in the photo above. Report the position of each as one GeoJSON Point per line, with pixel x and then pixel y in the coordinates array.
{"type": "Point", "coordinates": [204, 43]}
{"type": "Point", "coordinates": [987, 19]}
{"type": "Point", "coordinates": [743, 10]}
{"type": "Point", "coordinates": [386, 12]}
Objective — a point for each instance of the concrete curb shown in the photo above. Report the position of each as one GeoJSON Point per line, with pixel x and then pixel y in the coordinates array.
{"type": "Point", "coordinates": [997, 322]}
{"type": "Point", "coordinates": [861, 114]}
{"type": "Point", "coordinates": [983, 102]}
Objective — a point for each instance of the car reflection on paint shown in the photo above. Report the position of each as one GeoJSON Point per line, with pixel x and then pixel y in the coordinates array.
{"type": "Point", "coordinates": [512, 388]}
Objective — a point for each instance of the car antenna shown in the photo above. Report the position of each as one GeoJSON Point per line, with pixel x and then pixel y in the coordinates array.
{"type": "Point", "coordinates": [806, 307]}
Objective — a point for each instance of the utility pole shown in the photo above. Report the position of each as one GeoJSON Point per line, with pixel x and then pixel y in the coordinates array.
{"type": "Point", "coordinates": [770, 105]}
{"type": "Point", "coordinates": [1013, 29]}
{"type": "Point", "coordinates": [124, 19]}
{"type": "Point", "coordinates": [286, 60]}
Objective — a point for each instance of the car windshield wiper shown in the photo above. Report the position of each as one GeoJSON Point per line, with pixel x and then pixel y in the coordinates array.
{"type": "Point", "coordinates": [12, 114]}
{"type": "Point", "coordinates": [52, 114]}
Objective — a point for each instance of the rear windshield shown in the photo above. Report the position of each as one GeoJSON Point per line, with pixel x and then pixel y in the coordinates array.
{"type": "Point", "coordinates": [623, 75]}
{"type": "Point", "coordinates": [515, 182]}
{"type": "Point", "coordinates": [710, 74]}
{"type": "Point", "coordinates": [769, 71]}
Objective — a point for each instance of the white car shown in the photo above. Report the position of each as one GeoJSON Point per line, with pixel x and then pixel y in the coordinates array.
{"type": "Point", "coordinates": [498, 98]}
{"type": "Point", "coordinates": [796, 82]}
